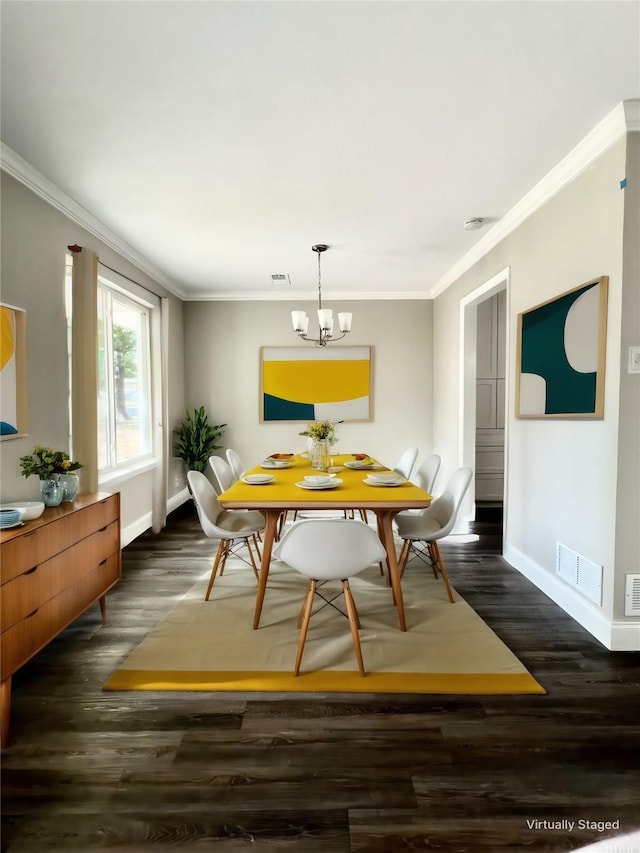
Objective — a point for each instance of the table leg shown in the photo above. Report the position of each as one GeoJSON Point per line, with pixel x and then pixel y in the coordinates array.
{"type": "Point", "coordinates": [270, 532]}
{"type": "Point", "coordinates": [386, 517]}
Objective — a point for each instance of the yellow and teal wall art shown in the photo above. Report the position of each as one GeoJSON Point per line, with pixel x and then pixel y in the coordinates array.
{"type": "Point", "coordinates": [13, 390]}
{"type": "Point", "coordinates": [318, 383]}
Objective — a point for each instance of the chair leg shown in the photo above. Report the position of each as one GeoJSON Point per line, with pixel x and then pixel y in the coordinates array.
{"type": "Point", "coordinates": [225, 553]}
{"type": "Point", "coordinates": [255, 538]}
{"type": "Point", "coordinates": [253, 562]}
{"type": "Point", "coordinates": [404, 555]}
{"type": "Point", "coordinates": [304, 627]}
{"type": "Point", "coordinates": [363, 516]}
{"type": "Point", "coordinates": [437, 558]}
{"type": "Point", "coordinates": [214, 570]}
{"type": "Point", "coordinates": [354, 623]}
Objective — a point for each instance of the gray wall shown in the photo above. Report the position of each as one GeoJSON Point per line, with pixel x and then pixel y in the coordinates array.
{"type": "Point", "coordinates": [222, 352]}
{"type": "Point", "coordinates": [35, 237]}
{"type": "Point", "coordinates": [565, 478]}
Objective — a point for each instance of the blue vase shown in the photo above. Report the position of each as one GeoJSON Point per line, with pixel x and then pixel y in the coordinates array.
{"type": "Point", "coordinates": [71, 484]}
{"type": "Point", "coordinates": [52, 490]}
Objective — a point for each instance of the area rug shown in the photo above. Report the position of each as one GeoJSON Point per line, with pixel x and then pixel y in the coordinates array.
{"type": "Point", "coordinates": [211, 645]}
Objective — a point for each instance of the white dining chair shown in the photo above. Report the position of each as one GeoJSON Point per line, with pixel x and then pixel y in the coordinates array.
{"type": "Point", "coordinates": [427, 473]}
{"type": "Point", "coordinates": [404, 465]}
{"type": "Point", "coordinates": [222, 472]}
{"type": "Point", "coordinates": [235, 463]}
{"type": "Point", "coordinates": [325, 550]}
{"type": "Point", "coordinates": [434, 523]}
{"type": "Point", "coordinates": [227, 525]}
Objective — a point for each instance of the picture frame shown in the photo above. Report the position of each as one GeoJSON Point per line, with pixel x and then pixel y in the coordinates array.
{"type": "Point", "coordinates": [316, 383]}
{"type": "Point", "coordinates": [561, 346]}
{"type": "Point", "coordinates": [13, 372]}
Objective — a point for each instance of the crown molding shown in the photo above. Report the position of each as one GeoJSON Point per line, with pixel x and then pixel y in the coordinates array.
{"type": "Point", "coordinates": [303, 296]}
{"type": "Point", "coordinates": [13, 164]}
{"type": "Point", "coordinates": [623, 118]}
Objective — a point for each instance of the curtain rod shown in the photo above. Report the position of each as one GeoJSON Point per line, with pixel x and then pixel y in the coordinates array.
{"type": "Point", "coordinates": [75, 248]}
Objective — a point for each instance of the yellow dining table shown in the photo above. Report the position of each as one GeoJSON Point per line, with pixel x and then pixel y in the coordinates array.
{"type": "Point", "coordinates": [282, 494]}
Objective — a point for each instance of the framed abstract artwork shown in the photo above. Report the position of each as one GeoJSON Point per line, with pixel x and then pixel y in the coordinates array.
{"type": "Point", "coordinates": [560, 370]}
{"type": "Point", "coordinates": [319, 383]}
{"type": "Point", "coordinates": [13, 372]}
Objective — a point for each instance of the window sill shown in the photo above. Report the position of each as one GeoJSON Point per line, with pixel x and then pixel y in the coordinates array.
{"type": "Point", "coordinates": [114, 478]}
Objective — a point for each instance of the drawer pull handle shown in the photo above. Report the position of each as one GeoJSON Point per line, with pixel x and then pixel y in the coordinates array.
{"type": "Point", "coordinates": [31, 571]}
{"type": "Point", "coordinates": [29, 615]}
{"type": "Point", "coordinates": [102, 529]}
{"type": "Point", "coordinates": [103, 562]}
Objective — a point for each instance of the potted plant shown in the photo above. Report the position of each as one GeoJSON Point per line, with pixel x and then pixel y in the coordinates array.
{"type": "Point", "coordinates": [52, 467]}
{"type": "Point", "coordinates": [196, 439]}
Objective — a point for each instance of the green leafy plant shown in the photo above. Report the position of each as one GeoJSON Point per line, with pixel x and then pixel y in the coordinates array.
{"type": "Point", "coordinates": [196, 439]}
{"type": "Point", "coordinates": [44, 462]}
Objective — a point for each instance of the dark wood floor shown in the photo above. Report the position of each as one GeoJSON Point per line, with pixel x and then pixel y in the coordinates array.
{"type": "Point", "coordinates": [87, 770]}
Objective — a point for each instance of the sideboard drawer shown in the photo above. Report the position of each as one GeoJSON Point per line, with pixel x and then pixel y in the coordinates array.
{"type": "Point", "coordinates": [33, 547]}
{"type": "Point", "coordinates": [30, 590]}
{"type": "Point", "coordinates": [30, 634]}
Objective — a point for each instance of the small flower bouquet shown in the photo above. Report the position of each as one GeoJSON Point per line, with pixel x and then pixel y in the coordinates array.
{"type": "Point", "coordinates": [320, 430]}
{"type": "Point", "coordinates": [46, 462]}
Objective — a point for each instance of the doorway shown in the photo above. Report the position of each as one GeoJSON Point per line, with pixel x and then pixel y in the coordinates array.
{"type": "Point", "coordinates": [484, 384]}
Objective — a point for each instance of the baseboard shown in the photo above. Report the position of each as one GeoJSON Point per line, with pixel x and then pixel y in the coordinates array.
{"type": "Point", "coordinates": [614, 636]}
{"type": "Point", "coordinates": [625, 637]}
{"type": "Point", "coordinates": [177, 500]}
{"type": "Point", "coordinates": [132, 531]}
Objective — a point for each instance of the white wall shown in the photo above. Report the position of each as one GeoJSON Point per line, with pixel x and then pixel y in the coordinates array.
{"type": "Point", "coordinates": [222, 351]}
{"type": "Point", "coordinates": [35, 237]}
{"type": "Point", "coordinates": [563, 482]}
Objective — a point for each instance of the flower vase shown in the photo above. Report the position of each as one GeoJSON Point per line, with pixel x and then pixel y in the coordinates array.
{"type": "Point", "coordinates": [320, 454]}
{"type": "Point", "coordinates": [71, 484]}
{"type": "Point", "coordinates": [52, 490]}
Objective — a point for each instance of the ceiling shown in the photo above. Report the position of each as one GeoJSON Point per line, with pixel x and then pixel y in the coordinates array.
{"type": "Point", "coordinates": [221, 140]}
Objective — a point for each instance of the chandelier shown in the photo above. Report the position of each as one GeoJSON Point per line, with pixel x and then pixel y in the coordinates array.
{"type": "Point", "coordinates": [300, 319]}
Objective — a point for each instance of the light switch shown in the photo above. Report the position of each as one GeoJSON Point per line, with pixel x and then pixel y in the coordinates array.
{"type": "Point", "coordinates": [634, 360]}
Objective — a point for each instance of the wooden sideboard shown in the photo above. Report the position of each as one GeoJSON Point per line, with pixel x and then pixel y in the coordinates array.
{"type": "Point", "coordinates": [52, 569]}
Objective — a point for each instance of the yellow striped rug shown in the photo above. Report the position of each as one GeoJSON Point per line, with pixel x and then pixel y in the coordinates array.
{"type": "Point", "coordinates": [210, 645]}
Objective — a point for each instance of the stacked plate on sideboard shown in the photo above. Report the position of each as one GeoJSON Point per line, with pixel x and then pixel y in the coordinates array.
{"type": "Point", "coordinates": [10, 517]}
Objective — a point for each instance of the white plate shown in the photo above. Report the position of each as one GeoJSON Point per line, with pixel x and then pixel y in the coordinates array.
{"type": "Point", "coordinates": [258, 479]}
{"type": "Point", "coordinates": [369, 482]}
{"type": "Point", "coordinates": [361, 466]}
{"type": "Point", "coordinates": [9, 526]}
{"type": "Point", "coordinates": [275, 463]}
{"type": "Point", "coordinates": [331, 484]}
{"type": "Point", "coordinates": [386, 477]}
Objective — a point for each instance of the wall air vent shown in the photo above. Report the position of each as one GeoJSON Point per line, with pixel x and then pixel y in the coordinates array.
{"type": "Point", "coordinates": [579, 572]}
{"type": "Point", "coordinates": [632, 595]}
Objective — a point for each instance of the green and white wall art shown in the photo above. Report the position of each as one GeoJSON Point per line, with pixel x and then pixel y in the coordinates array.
{"type": "Point", "coordinates": [561, 355]}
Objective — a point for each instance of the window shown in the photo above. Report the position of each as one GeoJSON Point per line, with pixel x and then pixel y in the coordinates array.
{"type": "Point", "coordinates": [124, 386]}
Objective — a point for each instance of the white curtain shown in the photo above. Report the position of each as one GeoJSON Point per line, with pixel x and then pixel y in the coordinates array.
{"type": "Point", "coordinates": [84, 366]}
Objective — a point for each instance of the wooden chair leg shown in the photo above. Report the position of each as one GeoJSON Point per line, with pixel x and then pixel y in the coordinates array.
{"type": "Point", "coordinates": [252, 561]}
{"type": "Point", "coordinates": [225, 553]}
{"type": "Point", "coordinates": [437, 558]}
{"type": "Point", "coordinates": [255, 538]}
{"type": "Point", "coordinates": [214, 570]}
{"type": "Point", "coordinates": [354, 624]}
{"type": "Point", "coordinates": [404, 555]}
{"type": "Point", "coordinates": [308, 604]}
{"type": "Point", "coordinates": [363, 516]}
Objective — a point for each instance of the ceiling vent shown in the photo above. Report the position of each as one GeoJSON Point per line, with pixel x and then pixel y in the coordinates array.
{"type": "Point", "coordinates": [277, 277]}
